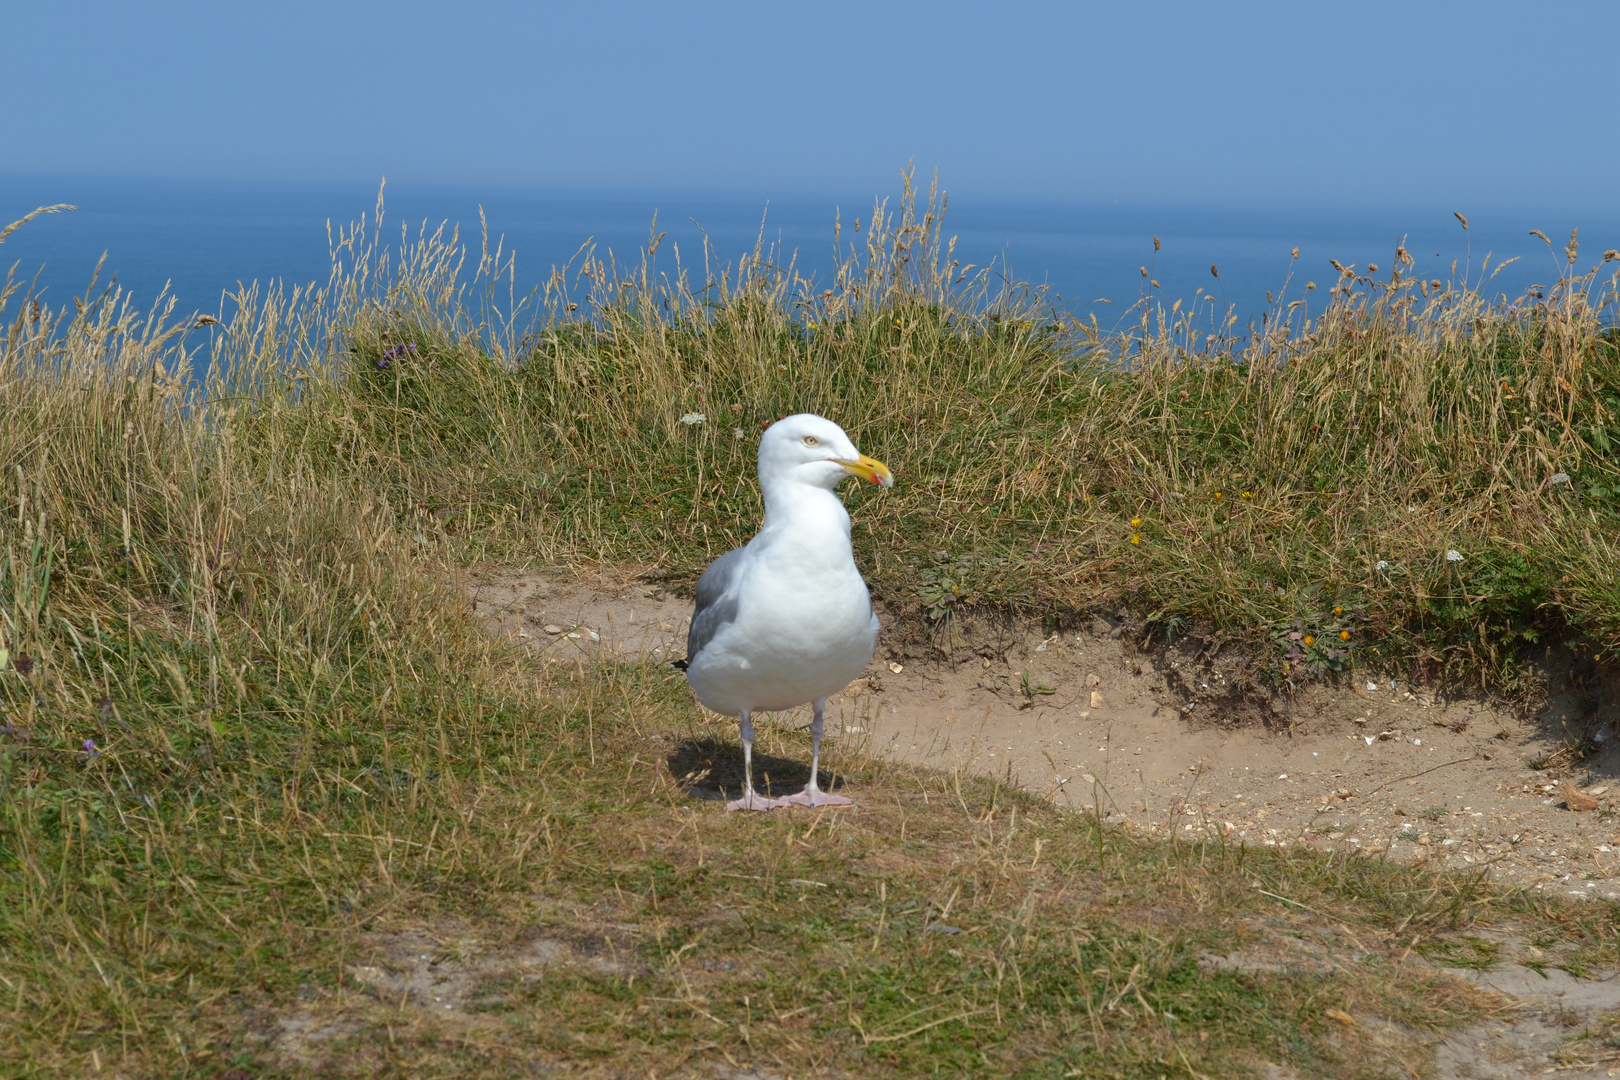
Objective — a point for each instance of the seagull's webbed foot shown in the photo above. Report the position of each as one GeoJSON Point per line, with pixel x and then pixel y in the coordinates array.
{"type": "Point", "coordinates": [755, 801]}
{"type": "Point", "coordinates": [751, 800]}
{"type": "Point", "coordinates": [814, 797]}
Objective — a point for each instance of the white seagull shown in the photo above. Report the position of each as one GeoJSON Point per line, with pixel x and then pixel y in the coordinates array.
{"type": "Point", "coordinates": [787, 618]}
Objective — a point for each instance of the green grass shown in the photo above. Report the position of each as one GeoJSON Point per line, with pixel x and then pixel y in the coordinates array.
{"type": "Point", "coordinates": [299, 747]}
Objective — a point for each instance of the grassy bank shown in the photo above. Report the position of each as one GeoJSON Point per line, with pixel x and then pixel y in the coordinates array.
{"type": "Point", "coordinates": [1383, 462]}
{"type": "Point", "coordinates": [250, 735]}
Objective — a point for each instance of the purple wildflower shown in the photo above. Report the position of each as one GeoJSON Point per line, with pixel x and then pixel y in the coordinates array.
{"type": "Point", "coordinates": [91, 752]}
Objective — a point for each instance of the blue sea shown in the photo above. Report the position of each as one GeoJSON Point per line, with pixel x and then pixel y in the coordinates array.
{"type": "Point", "coordinates": [201, 239]}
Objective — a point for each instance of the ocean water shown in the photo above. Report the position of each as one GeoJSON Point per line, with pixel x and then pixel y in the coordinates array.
{"type": "Point", "coordinates": [201, 239]}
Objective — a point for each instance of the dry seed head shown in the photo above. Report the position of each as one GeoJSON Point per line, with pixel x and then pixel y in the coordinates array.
{"type": "Point", "coordinates": [1611, 255]}
{"type": "Point", "coordinates": [1573, 247]}
{"type": "Point", "coordinates": [1155, 243]}
{"type": "Point", "coordinates": [1462, 219]}
{"type": "Point", "coordinates": [30, 216]}
{"type": "Point", "coordinates": [1143, 269]}
{"type": "Point", "coordinates": [1337, 265]}
{"type": "Point", "coordinates": [1544, 240]}
{"type": "Point", "coordinates": [1294, 254]}
{"type": "Point", "coordinates": [1216, 273]}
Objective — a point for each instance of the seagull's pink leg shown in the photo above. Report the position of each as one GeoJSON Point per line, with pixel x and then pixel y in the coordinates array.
{"type": "Point", "coordinates": [751, 800]}
{"type": "Point", "coordinates": [812, 795]}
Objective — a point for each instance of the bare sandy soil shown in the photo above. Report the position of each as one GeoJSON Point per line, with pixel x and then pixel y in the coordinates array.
{"type": "Point", "coordinates": [1179, 738]}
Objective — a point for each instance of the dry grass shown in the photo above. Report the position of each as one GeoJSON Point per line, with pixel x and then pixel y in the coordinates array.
{"type": "Point", "coordinates": [251, 733]}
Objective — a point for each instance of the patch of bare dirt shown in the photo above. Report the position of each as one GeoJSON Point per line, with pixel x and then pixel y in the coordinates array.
{"type": "Point", "coordinates": [1178, 738]}
{"type": "Point", "coordinates": [448, 977]}
{"type": "Point", "coordinates": [305, 1038]}
{"type": "Point", "coordinates": [1548, 1007]}
{"type": "Point", "coordinates": [442, 972]}
{"type": "Point", "coordinates": [1537, 1008]}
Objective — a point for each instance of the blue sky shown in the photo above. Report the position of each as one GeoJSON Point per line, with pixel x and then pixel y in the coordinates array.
{"type": "Point", "coordinates": [1248, 104]}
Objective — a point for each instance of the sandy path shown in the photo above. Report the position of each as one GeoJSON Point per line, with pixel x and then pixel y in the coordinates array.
{"type": "Point", "coordinates": [1162, 741]}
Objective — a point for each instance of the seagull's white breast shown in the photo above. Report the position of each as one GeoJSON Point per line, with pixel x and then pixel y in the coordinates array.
{"type": "Point", "coordinates": [804, 627]}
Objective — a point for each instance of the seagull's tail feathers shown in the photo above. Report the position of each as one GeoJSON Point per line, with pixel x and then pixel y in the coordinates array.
{"type": "Point", "coordinates": [680, 665]}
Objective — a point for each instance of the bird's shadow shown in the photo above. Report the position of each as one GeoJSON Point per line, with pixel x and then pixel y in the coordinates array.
{"type": "Point", "coordinates": [712, 770]}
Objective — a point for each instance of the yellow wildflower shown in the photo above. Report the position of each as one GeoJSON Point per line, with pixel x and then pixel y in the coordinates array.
{"type": "Point", "coordinates": [1309, 640]}
{"type": "Point", "coordinates": [1136, 522]}
{"type": "Point", "coordinates": [1136, 539]}
{"type": "Point", "coordinates": [1344, 635]}
{"type": "Point", "coordinates": [1338, 611]}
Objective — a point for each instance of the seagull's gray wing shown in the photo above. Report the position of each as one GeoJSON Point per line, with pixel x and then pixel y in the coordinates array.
{"type": "Point", "coordinates": [716, 602]}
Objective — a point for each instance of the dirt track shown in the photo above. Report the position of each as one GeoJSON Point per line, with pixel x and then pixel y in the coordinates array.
{"type": "Point", "coordinates": [1173, 739]}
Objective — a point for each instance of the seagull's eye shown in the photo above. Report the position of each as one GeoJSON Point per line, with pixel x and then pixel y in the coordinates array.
{"type": "Point", "coordinates": [811, 440]}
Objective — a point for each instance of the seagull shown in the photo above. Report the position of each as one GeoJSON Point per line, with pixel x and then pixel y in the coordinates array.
{"type": "Point", "coordinates": [787, 619]}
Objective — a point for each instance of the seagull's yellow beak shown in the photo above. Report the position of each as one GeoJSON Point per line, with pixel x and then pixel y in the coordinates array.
{"type": "Point", "coordinates": [869, 469]}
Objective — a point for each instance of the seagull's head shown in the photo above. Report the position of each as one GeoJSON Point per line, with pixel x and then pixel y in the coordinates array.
{"type": "Point", "coordinates": [811, 449]}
